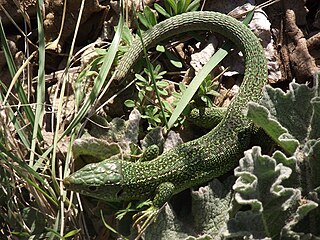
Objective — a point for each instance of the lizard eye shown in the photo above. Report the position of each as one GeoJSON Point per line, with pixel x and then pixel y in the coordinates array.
{"type": "Point", "coordinates": [93, 188]}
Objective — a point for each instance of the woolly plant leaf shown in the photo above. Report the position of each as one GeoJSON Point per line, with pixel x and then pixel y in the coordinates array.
{"type": "Point", "coordinates": [280, 190]}
{"type": "Point", "coordinates": [104, 140]}
{"type": "Point", "coordinates": [210, 207]}
{"type": "Point", "coordinates": [167, 226]}
{"type": "Point", "coordinates": [289, 118]}
{"type": "Point", "coordinates": [207, 218]}
{"type": "Point", "coordinates": [265, 184]}
{"type": "Point", "coordinates": [280, 135]}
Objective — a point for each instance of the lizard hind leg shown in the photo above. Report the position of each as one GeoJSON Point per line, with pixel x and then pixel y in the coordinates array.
{"type": "Point", "coordinates": [150, 153]}
{"type": "Point", "coordinates": [208, 117]}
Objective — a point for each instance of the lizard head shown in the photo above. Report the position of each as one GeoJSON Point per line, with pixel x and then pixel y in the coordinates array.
{"type": "Point", "coordinates": [101, 180]}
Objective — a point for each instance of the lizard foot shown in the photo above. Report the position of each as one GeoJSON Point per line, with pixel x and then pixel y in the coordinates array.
{"type": "Point", "coordinates": [146, 217]}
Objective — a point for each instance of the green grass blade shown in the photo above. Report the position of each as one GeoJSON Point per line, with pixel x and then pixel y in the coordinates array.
{"type": "Point", "coordinates": [111, 229]}
{"type": "Point", "coordinates": [21, 168]}
{"type": "Point", "coordinates": [193, 6]}
{"type": "Point", "coordinates": [13, 118]}
{"type": "Point", "coordinates": [173, 5]}
{"type": "Point", "coordinates": [161, 10]}
{"type": "Point", "coordinates": [98, 83]}
{"type": "Point", "coordinates": [13, 71]}
{"type": "Point", "coordinates": [40, 84]}
{"type": "Point", "coordinates": [248, 18]}
{"type": "Point", "coordinates": [61, 93]}
{"type": "Point", "coordinates": [10, 62]}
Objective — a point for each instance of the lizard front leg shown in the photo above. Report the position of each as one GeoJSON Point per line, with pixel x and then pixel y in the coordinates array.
{"type": "Point", "coordinates": [162, 195]}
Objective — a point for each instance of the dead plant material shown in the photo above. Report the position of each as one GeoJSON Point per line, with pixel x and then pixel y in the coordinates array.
{"type": "Point", "coordinates": [313, 44]}
{"type": "Point", "coordinates": [302, 63]}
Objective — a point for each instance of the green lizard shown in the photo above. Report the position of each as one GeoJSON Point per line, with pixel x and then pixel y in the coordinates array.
{"type": "Point", "coordinates": [194, 162]}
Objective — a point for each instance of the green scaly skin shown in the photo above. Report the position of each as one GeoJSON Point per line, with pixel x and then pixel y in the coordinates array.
{"type": "Point", "coordinates": [194, 162]}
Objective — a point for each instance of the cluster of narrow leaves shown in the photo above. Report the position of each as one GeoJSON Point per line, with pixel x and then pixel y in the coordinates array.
{"type": "Point", "coordinates": [275, 197]}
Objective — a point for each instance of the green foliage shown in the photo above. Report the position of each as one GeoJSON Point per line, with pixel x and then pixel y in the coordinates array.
{"type": "Point", "coordinates": [132, 209]}
{"type": "Point", "coordinates": [290, 117]}
{"type": "Point", "coordinates": [269, 185]}
{"type": "Point", "coordinates": [146, 102]}
{"type": "Point", "coordinates": [149, 107]}
{"type": "Point", "coordinates": [147, 18]}
{"type": "Point", "coordinates": [196, 83]}
{"type": "Point", "coordinates": [207, 91]}
{"type": "Point", "coordinates": [119, 138]}
{"type": "Point", "coordinates": [127, 39]}
{"type": "Point", "coordinates": [171, 8]}
{"type": "Point", "coordinates": [175, 7]}
{"type": "Point", "coordinates": [144, 85]}
{"type": "Point", "coordinates": [155, 114]}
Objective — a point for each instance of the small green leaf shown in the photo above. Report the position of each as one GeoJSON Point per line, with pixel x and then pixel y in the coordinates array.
{"type": "Point", "coordinates": [162, 84]}
{"type": "Point", "coordinates": [194, 5]}
{"type": "Point", "coordinates": [101, 51]}
{"type": "Point", "coordinates": [71, 233]}
{"type": "Point", "coordinates": [149, 88]}
{"type": "Point", "coordinates": [176, 63]}
{"type": "Point", "coordinates": [141, 84]}
{"type": "Point", "coordinates": [160, 48]}
{"type": "Point", "coordinates": [150, 16]}
{"type": "Point", "coordinates": [167, 106]}
{"type": "Point", "coordinates": [163, 92]}
{"type": "Point", "coordinates": [161, 10]}
{"type": "Point", "coordinates": [168, 8]}
{"type": "Point", "coordinates": [213, 93]}
{"type": "Point", "coordinates": [180, 6]}
{"type": "Point", "coordinates": [129, 103]}
{"type": "Point", "coordinates": [144, 20]}
{"type": "Point", "coordinates": [186, 4]}
{"type": "Point", "coordinates": [141, 95]}
{"type": "Point", "coordinates": [173, 59]}
{"type": "Point", "coordinates": [173, 5]}
{"type": "Point", "coordinates": [126, 35]}
{"type": "Point", "coordinates": [139, 77]}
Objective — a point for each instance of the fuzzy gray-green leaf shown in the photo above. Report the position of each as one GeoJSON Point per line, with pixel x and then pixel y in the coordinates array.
{"type": "Point", "coordinates": [315, 126]}
{"type": "Point", "coordinates": [266, 185]}
{"type": "Point", "coordinates": [261, 117]}
{"type": "Point", "coordinates": [290, 116]}
{"type": "Point", "coordinates": [291, 109]}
